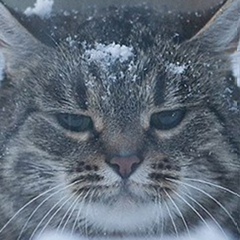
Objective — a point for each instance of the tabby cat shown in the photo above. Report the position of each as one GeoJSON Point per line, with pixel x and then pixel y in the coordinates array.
{"type": "Point", "coordinates": [128, 129]}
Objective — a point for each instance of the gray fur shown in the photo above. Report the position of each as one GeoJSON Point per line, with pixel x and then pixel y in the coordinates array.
{"type": "Point", "coordinates": [188, 175]}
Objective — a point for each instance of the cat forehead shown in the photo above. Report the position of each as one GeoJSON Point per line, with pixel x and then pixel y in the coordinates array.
{"type": "Point", "coordinates": [107, 74]}
{"type": "Point", "coordinates": [121, 76]}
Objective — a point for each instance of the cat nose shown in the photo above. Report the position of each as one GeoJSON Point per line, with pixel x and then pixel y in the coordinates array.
{"type": "Point", "coordinates": [124, 165]}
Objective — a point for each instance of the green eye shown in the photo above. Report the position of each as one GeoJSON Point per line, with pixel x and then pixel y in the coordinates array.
{"type": "Point", "coordinates": [167, 119]}
{"type": "Point", "coordinates": [74, 122]}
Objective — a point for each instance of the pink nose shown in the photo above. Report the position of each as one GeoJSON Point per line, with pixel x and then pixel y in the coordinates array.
{"type": "Point", "coordinates": [124, 166]}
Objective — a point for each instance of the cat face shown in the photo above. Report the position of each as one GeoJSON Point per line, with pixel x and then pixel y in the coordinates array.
{"type": "Point", "coordinates": [118, 138]}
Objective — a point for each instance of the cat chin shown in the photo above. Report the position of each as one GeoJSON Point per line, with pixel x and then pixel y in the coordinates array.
{"type": "Point", "coordinates": [203, 232]}
{"type": "Point", "coordinates": [123, 217]}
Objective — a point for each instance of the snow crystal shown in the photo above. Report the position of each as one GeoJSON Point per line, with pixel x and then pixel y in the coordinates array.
{"type": "Point", "coordinates": [2, 66]}
{"type": "Point", "coordinates": [42, 8]}
{"type": "Point", "coordinates": [176, 68]}
{"type": "Point", "coordinates": [108, 54]}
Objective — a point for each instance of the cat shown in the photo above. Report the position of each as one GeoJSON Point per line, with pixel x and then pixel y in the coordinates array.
{"type": "Point", "coordinates": [129, 129]}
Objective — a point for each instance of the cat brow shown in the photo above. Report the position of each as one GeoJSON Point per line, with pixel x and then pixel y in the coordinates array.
{"type": "Point", "coordinates": [159, 91]}
{"type": "Point", "coordinates": [80, 92]}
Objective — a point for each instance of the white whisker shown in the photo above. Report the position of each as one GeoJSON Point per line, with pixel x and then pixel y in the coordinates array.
{"type": "Point", "coordinates": [159, 218]}
{"type": "Point", "coordinates": [194, 210]}
{"type": "Point", "coordinates": [87, 207]}
{"type": "Point", "coordinates": [79, 212]}
{"type": "Point", "coordinates": [180, 213]}
{"type": "Point", "coordinates": [208, 213]}
{"type": "Point", "coordinates": [39, 224]}
{"type": "Point", "coordinates": [50, 219]}
{"type": "Point", "coordinates": [172, 220]}
{"type": "Point", "coordinates": [27, 204]}
{"type": "Point", "coordinates": [214, 185]}
{"type": "Point", "coordinates": [211, 197]}
{"type": "Point", "coordinates": [40, 205]}
{"type": "Point", "coordinates": [73, 207]}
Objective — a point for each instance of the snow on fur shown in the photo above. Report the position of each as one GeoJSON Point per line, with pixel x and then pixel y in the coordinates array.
{"type": "Point", "coordinates": [176, 68]}
{"type": "Point", "coordinates": [108, 54]}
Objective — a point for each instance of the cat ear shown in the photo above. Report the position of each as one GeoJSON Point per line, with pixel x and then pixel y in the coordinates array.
{"type": "Point", "coordinates": [16, 43]}
{"type": "Point", "coordinates": [222, 34]}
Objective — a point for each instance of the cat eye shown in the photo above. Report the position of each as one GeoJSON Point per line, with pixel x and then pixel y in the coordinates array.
{"type": "Point", "coordinates": [74, 122]}
{"type": "Point", "coordinates": [167, 119]}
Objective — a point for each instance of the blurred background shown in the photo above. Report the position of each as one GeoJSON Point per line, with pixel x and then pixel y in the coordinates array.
{"type": "Point", "coordinates": [174, 5]}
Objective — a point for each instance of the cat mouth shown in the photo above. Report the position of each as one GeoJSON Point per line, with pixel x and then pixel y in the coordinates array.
{"type": "Point", "coordinates": [128, 194]}
{"type": "Point", "coordinates": [125, 192]}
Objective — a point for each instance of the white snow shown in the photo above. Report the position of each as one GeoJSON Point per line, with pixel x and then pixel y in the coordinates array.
{"type": "Point", "coordinates": [236, 66]}
{"type": "Point", "coordinates": [176, 68]}
{"type": "Point", "coordinates": [108, 54]}
{"type": "Point", "coordinates": [2, 66]}
{"type": "Point", "coordinates": [105, 56]}
{"type": "Point", "coordinates": [42, 8]}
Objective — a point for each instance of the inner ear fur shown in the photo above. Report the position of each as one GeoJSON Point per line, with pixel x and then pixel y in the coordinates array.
{"type": "Point", "coordinates": [222, 32]}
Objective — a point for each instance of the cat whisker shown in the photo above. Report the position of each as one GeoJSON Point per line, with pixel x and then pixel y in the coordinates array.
{"type": "Point", "coordinates": [213, 185]}
{"type": "Point", "coordinates": [50, 219]}
{"type": "Point", "coordinates": [39, 206]}
{"type": "Point", "coordinates": [209, 196]}
{"type": "Point", "coordinates": [160, 217]}
{"type": "Point", "coordinates": [194, 210]}
{"type": "Point", "coordinates": [207, 212]}
{"type": "Point", "coordinates": [72, 208]}
{"type": "Point", "coordinates": [162, 225]}
{"type": "Point", "coordinates": [179, 211]}
{"type": "Point", "coordinates": [55, 213]}
{"type": "Point", "coordinates": [65, 215]}
{"type": "Point", "coordinates": [79, 212]}
{"type": "Point", "coordinates": [52, 208]}
{"type": "Point", "coordinates": [172, 220]}
{"type": "Point", "coordinates": [27, 204]}
{"type": "Point", "coordinates": [92, 191]}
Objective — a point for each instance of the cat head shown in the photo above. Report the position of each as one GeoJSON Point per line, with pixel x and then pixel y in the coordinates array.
{"type": "Point", "coordinates": [117, 134]}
